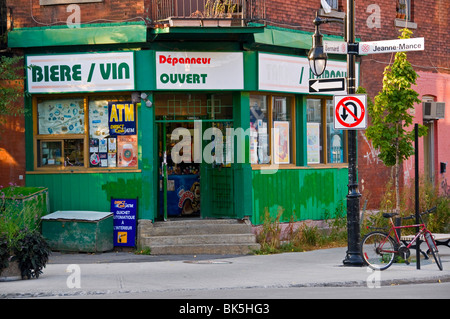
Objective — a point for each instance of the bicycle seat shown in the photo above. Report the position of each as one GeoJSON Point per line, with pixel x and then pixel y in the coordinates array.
{"type": "Point", "coordinates": [389, 215]}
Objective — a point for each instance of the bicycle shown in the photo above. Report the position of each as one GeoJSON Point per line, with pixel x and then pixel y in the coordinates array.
{"type": "Point", "coordinates": [378, 248]}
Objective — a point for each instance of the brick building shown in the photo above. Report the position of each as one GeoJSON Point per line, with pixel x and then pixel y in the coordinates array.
{"type": "Point", "coordinates": [281, 28]}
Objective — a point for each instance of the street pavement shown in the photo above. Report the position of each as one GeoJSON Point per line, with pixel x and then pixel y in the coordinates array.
{"type": "Point", "coordinates": [121, 273]}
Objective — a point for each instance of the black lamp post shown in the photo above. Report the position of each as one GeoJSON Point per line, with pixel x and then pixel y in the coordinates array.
{"type": "Point", "coordinates": [353, 257]}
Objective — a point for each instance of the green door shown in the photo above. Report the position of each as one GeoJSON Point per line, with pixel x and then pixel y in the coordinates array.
{"type": "Point", "coordinates": [217, 178]}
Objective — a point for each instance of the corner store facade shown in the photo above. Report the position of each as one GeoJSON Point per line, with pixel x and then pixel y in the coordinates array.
{"type": "Point", "coordinates": [270, 70]}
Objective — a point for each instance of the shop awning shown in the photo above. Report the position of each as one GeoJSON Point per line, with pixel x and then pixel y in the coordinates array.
{"type": "Point", "coordinates": [114, 33]}
{"type": "Point", "coordinates": [288, 38]}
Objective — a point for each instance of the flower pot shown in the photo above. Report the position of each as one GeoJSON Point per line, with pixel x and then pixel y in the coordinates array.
{"type": "Point", "coordinates": [12, 272]}
{"type": "Point", "coordinates": [184, 22]}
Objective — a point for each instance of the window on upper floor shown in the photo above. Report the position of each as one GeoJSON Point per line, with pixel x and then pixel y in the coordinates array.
{"type": "Point", "coordinates": [405, 14]}
{"type": "Point", "coordinates": [333, 4]}
{"type": "Point", "coordinates": [404, 10]}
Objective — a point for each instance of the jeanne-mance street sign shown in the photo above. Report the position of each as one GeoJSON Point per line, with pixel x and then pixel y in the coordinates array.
{"type": "Point", "coordinates": [387, 46]}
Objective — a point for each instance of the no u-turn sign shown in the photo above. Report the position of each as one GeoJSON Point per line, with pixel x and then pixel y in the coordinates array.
{"type": "Point", "coordinates": [350, 112]}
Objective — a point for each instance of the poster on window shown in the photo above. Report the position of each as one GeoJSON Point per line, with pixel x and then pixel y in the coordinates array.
{"type": "Point", "coordinates": [98, 119]}
{"type": "Point", "coordinates": [313, 142]}
{"type": "Point", "coordinates": [281, 142]}
{"type": "Point", "coordinates": [61, 116]}
{"type": "Point", "coordinates": [127, 151]}
{"type": "Point", "coordinates": [121, 118]}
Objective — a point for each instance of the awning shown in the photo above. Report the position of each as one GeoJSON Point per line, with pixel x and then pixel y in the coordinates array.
{"type": "Point", "coordinates": [114, 33]}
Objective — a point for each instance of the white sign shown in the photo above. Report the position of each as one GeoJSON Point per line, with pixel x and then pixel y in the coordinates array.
{"type": "Point", "coordinates": [387, 46]}
{"type": "Point", "coordinates": [327, 85]}
{"type": "Point", "coordinates": [336, 47]}
{"type": "Point", "coordinates": [350, 112]}
{"type": "Point", "coordinates": [80, 72]}
{"type": "Point", "coordinates": [291, 74]}
{"type": "Point", "coordinates": [199, 70]}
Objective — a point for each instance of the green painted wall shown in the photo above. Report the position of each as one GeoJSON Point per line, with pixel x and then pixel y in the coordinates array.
{"type": "Point", "coordinates": [301, 193]}
{"type": "Point", "coordinates": [88, 191]}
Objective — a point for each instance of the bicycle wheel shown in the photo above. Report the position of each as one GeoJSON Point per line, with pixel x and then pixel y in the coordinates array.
{"type": "Point", "coordinates": [433, 249]}
{"type": "Point", "coordinates": [378, 250]}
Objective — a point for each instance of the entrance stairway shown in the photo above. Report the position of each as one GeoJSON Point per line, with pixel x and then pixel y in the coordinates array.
{"type": "Point", "coordinates": [199, 236]}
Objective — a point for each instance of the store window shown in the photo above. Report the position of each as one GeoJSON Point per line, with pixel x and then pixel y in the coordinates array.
{"type": "Point", "coordinates": [325, 145]}
{"type": "Point", "coordinates": [84, 132]}
{"type": "Point", "coordinates": [271, 129]}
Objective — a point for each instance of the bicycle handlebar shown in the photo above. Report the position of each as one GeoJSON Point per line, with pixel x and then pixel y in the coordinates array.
{"type": "Point", "coordinates": [429, 211]}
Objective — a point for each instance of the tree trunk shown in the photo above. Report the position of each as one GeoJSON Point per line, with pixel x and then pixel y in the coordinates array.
{"type": "Point", "coordinates": [397, 173]}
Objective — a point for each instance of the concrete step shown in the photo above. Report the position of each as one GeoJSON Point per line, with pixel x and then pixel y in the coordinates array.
{"type": "Point", "coordinates": [197, 227]}
{"type": "Point", "coordinates": [209, 249]}
{"type": "Point", "coordinates": [199, 236]}
{"type": "Point", "coordinates": [201, 239]}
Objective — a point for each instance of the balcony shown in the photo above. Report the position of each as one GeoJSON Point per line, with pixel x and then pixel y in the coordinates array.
{"type": "Point", "coordinates": [207, 12]}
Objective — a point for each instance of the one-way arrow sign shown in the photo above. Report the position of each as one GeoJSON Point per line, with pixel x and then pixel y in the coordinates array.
{"type": "Point", "coordinates": [327, 85]}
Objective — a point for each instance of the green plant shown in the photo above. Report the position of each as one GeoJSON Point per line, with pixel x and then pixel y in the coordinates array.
{"type": "Point", "coordinates": [270, 235]}
{"type": "Point", "coordinates": [19, 233]}
{"type": "Point", "coordinates": [11, 88]}
{"type": "Point", "coordinates": [4, 253]}
{"type": "Point", "coordinates": [219, 9]}
{"type": "Point", "coordinates": [32, 252]}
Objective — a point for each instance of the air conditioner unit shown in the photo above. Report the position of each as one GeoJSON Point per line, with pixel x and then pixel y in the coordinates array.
{"type": "Point", "coordinates": [433, 110]}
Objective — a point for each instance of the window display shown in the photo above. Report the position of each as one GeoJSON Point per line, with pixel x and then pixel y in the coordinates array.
{"type": "Point", "coordinates": [61, 116]}
{"type": "Point", "coordinates": [63, 140]}
{"type": "Point", "coordinates": [271, 124]}
{"type": "Point", "coordinates": [324, 147]}
{"type": "Point", "coordinates": [51, 154]}
{"type": "Point", "coordinates": [259, 130]}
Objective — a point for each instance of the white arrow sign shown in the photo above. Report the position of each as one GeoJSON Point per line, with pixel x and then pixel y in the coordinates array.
{"type": "Point", "coordinates": [387, 46]}
{"type": "Point", "coordinates": [327, 85]}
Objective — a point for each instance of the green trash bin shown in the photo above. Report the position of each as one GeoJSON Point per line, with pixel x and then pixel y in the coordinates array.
{"type": "Point", "coordinates": [79, 231]}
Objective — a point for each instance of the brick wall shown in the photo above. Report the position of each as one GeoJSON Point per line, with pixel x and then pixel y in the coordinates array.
{"type": "Point", "coordinates": [28, 13]}
{"type": "Point", "coordinates": [12, 151]}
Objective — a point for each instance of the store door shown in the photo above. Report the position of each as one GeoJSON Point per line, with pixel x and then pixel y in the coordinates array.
{"type": "Point", "coordinates": [194, 184]}
{"type": "Point", "coordinates": [218, 178]}
{"type": "Point", "coordinates": [179, 180]}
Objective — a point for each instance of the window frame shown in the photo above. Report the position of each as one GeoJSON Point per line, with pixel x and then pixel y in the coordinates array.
{"type": "Point", "coordinates": [85, 168]}
{"type": "Point", "coordinates": [293, 141]}
{"type": "Point", "coordinates": [324, 154]}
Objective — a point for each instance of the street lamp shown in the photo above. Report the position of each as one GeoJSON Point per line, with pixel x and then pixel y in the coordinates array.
{"type": "Point", "coordinates": [318, 60]}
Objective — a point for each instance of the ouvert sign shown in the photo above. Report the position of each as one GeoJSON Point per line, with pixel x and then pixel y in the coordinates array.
{"type": "Point", "coordinates": [199, 70]}
{"type": "Point", "coordinates": [80, 72]}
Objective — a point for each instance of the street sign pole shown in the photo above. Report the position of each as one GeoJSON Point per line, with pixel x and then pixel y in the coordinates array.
{"type": "Point", "coordinates": [353, 257]}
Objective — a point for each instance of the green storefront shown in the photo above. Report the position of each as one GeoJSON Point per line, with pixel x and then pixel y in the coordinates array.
{"type": "Point", "coordinates": [194, 122]}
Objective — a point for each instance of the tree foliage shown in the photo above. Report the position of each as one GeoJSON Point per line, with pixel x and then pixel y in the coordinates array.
{"type": "Point", "coordinates": [11, 86]}
{"type": "Point", "coordinates": [390, 115]}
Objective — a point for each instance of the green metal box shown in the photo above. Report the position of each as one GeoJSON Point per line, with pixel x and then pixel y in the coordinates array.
{"type": "Point", "coordinates": [79, 231]}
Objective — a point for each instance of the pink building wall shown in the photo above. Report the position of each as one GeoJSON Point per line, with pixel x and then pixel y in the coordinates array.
{"type": "Point", "coordinates": [437, 85]}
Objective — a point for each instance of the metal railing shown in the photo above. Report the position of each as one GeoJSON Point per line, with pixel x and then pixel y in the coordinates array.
{"type": "Point", "coordinates": [244, 10]}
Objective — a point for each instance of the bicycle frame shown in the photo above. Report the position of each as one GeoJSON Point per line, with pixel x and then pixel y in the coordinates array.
{"type": "Point", "coordinates": [393, 229]}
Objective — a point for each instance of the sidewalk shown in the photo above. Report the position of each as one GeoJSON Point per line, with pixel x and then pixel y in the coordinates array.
{"type": "Point", "coordinates": [123, 272]}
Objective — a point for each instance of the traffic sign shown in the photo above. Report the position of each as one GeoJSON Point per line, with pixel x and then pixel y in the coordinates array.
{"type": "Point", "coordinates": [336, 85]}
{"type": "Point", "coordinates": [387, 46]}
{"type": "Point", "coordinates": [350, 112]}
{"type": "Point", "coordinates": [336, 47]}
